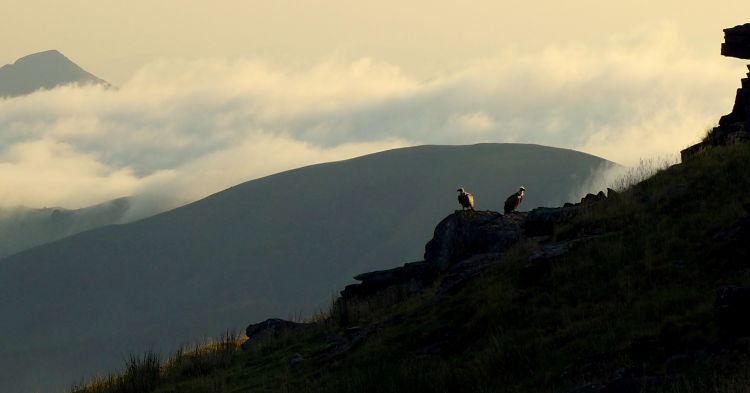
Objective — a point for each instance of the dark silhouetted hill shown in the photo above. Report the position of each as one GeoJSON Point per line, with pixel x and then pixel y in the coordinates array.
{"type": "Point", "coordinates": [281, 245]}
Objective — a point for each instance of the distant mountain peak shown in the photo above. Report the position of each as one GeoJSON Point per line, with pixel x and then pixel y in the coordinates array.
{"type": "Point", "coordinates": [42, 70]}
{"type": "Point", "coordinates": [52, 54]}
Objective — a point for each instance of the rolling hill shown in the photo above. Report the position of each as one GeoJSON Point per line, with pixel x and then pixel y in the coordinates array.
{"type": "Point", "coordinates": [282, 246]}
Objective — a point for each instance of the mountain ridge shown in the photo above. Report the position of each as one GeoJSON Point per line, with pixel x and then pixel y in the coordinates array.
{"type": "Point", "coordinates": [41, 71]}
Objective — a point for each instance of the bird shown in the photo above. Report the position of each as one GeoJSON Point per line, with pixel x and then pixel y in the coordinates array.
{"type": "Point", "coordinates": [465, 199]}
{"type": "Point", "coordinates": [514, 201]}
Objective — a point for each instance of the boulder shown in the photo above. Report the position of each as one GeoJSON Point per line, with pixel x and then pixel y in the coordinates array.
{"type": "Point", "coordinates": [592, 199]}
{"type": "Point", "coordinates": [463, 234]}
{"type": "Point", "coordinates": [270, 328]}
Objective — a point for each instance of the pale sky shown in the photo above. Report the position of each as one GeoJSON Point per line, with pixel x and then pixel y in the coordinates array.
{"type": "Point", "coordinates": [211, 94]}
{"type": "Point", "coordinates": [112, 38]}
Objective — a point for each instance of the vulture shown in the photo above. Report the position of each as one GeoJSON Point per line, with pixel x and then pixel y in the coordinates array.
{"type": "Point", "coordinates": [514, 201]}
{"type": "Point", "coordinates": [465, 199]}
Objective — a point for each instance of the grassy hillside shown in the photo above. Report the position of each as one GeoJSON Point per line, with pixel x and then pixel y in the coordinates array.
{"type": "Point", "coordinates": [637, 300]}
{"type": "Point", "coordinates": [282, 245]}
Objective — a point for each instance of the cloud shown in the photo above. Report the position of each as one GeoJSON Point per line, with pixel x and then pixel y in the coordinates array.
{"type": "Point", "coordinates": [183, 129]}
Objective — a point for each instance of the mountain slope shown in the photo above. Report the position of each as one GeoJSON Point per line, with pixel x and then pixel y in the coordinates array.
{"type": "Point", "coordinates": [23, 228]}
{"type": "Point", "coordinates": [647, 290]}
{"type": "Point", "coordinates": [281, 245]}
{"type": "Point", "coordinates": [43, 70]}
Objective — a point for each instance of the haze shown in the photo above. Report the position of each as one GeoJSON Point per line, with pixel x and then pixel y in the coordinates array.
{"type": "Point", "coordinates": [212, 94]}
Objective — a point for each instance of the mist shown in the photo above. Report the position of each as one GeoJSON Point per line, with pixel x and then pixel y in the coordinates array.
{"type": "Point", "coordinates": [179, 130]}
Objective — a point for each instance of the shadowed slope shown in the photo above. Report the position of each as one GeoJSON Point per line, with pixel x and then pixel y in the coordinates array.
{"type": "Point", "coordinates": [275, 246]}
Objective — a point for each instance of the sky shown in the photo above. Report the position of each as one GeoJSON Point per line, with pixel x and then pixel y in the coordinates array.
{"type": "Point", "coordinates": [210, 94]}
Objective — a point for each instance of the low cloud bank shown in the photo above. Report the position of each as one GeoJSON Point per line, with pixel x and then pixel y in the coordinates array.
{"type": "Point", "coordinates": [180, 130]}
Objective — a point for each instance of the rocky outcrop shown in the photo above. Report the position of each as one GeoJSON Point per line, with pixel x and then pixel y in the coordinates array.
{"type": "Point", "coordinates": [464, 234]}
{"type": "Point", "coordinates": [735, 126]}
{"type": "Point", "coordinates": [464, 243]}
{"type": "Point", "coordinates": [417, 273]}
{"type": "Point", "coordinates": [737, 42]}
{"type": "Point", "coordinates": [542, 220]}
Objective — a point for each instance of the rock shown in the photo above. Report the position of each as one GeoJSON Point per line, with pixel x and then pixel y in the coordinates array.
{"type": "Point", "coordinates": [735, 126]}
{"type": "Point", "coordinates": [737, 42]}
{"type": "Point", "coordinates": [732, 310]}
{"type": "Point", "coordinates": [542, 220]}
{"type": "Point", "coordinates": [591, 199]}
{"type": "Point", "coordinates": [270, 328]}
{"type": "Point", "coordinates": [415, 273]}
{"type": "Point", "coordinates": [461, 272]}
{"type": "Point", "coordinates": [464, 234]}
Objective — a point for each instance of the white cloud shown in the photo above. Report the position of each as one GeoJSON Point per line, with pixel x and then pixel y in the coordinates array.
{"type": "Point", "coordinates": [190, 128]}
{"type": "Point", "coordinates": [473, 122]}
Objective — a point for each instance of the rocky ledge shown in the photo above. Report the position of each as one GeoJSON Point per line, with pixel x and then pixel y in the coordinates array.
{"type": "Point", "coordinates": [735, 126]}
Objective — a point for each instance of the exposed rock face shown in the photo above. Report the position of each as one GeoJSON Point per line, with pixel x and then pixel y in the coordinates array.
{"type": "Point", "coordinates": [542, 220]}
{"type": "Point", "coordinates": [462, 235]}
{"type": "Point", "coordinates": [734, 127]}
{"type": "Point", "coordinates": [464, 243]}
{"type": "Point", "coordinates": [737, 42]}
{"type": "Point", "coordinates": [416, 272]}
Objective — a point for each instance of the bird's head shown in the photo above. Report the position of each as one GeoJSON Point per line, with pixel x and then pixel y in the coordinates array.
{"type": "Point", "coordinates": [461, 190]}
{"type": "Point", "coordinates": [522, 189]}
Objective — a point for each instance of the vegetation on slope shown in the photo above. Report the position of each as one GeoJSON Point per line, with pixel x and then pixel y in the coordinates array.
{"type": "Point", "coordinates": [637, 299]}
